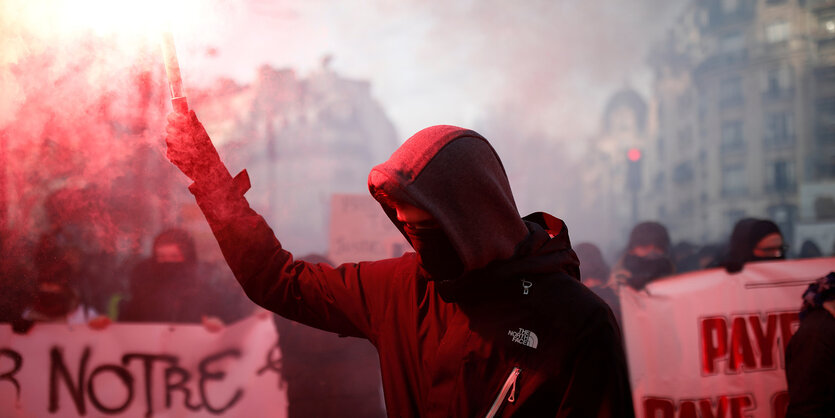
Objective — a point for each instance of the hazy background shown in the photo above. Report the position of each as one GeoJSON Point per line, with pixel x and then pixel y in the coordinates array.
{"type": "Point", "coordinates": [551, 63]}
{"type": "Point", "coordinates": [533, 77]}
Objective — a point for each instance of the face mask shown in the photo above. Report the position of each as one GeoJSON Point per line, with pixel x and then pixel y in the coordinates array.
{"type": "Point", "coordinates": [756, 258]}
{"type": "Point", "coordinates": [55, 302]}
{"type": "Point", "coordinates": [644, 270]}
{"type": "Point", "coordinates": [435, 251]}
{"type": "Point", "coordinates": [171, 270]}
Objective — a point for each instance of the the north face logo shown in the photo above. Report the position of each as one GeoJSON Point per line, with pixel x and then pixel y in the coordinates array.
{"type": "Point", "coordinates": [524, 337]}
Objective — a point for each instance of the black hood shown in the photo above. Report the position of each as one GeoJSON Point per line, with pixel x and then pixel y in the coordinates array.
{"type": "Point", "coordinates": [543, 253]}
{"type": "Point", "coordinates": [456, 176]}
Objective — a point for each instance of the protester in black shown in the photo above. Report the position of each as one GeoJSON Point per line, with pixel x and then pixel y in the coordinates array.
{"type": "Point", "coordinates": [810, 356]}
{"type": "Point", "coordinates": [172, 285]}
{"type": "Point", "coordinates": [17, 281]}
{"type": "Point", "coordinates": [809, 250]}
{"type": "Point", "coordinates": [753, 240]}
{"type": "Point", "coordinates": [647, 257]}
{"type": "Point", "coordinates": [487, 318]}
{"type": "Point", "coordinates": [594, 273]}
{"type": "Point", "coordinates": [58, 296]}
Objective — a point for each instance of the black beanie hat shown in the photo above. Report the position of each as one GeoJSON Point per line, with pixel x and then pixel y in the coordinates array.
{"type": "Point", "coordinates": [649, 233]}
{"type": "Point", "coordinates": [760, 229]}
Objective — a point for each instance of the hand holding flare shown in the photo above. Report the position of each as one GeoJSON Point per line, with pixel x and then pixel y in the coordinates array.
{"type": "Point", "coordinates": [189, 146]}
{"type": "Point", "coordinates": [191, 149]}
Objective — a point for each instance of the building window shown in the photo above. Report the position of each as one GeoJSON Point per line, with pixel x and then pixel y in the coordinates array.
{"type": "Point", "coordinates": [825, 122]}
{"type": "Point", "coordinates": [732, 136]}
{"type": "Point", "coordinates": [777, 31]}
{"type": "Point", "coordinates": [683, 173]}
{"type": "Point", "coordinates": [687, 208]}
{"type": "Point", "coordinates": [730, 92]}
{"type": "Point", "coordinates": [827, 25]}
{"type": "Point", "coordinates": [730, 6]}
{"type": "Point", "coordinates": [659, 146]}
{"type": "Point", "coordinates": [734, 181]}
{"type": "Point", "coordinates": [684, 102]}
{"type": "Point", "coordinates": [685, 136]}
{"type": "Point", "coordinates": [822, 166]}
{"type": "Point", "coordinates": [731, 42]}
{"type": "Point", "coordinates": [777, 81]}
{"type": "Point", "coordinates": [779, 129]}
{"type": "Point", "coordinates": [780, 176]}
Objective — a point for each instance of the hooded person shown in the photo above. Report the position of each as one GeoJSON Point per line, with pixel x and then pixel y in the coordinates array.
{"type": "Point", "coordinates": [809, 250]}
{"type": "Point", "coordinates": [172, 285]}
{"type": "Point", "coordinates": [165, 287]}
{"type": "Point", "coordinates": [753, 240]}
{"type": "Point", "coordinates": [57, 297]}
{"type": "Point", "coordinates": [647, 256]}
{"type": "Point", "coordinates": [487, 317]}
{"type": "Point", "coordinates": [595, 275]}
{"type": "Point", "coordinates": [810, 354]}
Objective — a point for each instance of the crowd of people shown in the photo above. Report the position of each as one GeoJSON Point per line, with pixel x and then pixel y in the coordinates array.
{"type": "Point", "coordinates": [456, 296]}
{"type": "Point", "coordinates": [650, 255]}
{"type": "Point", "coordinates": [74, 283]}
{"type": "Point", "coordinates": [66, 277]}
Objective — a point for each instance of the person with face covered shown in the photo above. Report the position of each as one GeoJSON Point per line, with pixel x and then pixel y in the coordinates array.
{"type": "Point", "coordinates": [57, 297]}
{"type": "Point", "coordinates": [594, 273]}
{"type": "Point", "coordinates": [166, 287]}
{"type": "Point", "coordinates": [486, 318]}
{"type": "Point", "coordinates": [647, 257]}
{"type": "Point", "coordinates": [173, 286]}
{"type": "Point", "coordinates": [753, 240]}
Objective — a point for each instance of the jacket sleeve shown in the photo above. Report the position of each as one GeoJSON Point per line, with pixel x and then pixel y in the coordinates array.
{"type": "Point", "coordinates": [810, 367]}
{"type": "Point", "coordinates": [600, 379]}
{"type": "Point", "coordinates": [346, 299]}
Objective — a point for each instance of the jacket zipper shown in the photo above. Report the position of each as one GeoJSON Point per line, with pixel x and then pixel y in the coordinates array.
{"type": "Point", "coordinates": [508, 390]}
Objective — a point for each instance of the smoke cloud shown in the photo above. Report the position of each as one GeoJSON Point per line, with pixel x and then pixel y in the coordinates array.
{"type": "Point", "coordinates": [449, 62]}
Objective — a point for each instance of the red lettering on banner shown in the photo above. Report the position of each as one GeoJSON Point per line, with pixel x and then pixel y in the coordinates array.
{"type": "Point", "coordinates": [765, 339]}
{"type": "Point", "coordinates": [726, 406]}
{"type": "Point", "coordinates": [742, 354]}
{"type": "Point", "coordinates": [714, 343]}
{"type": "Point", "coordinates": [659, 408]}
{"type": "Point", "coordinates": [744, 343]}
{"type": "Point", "coordinates": [779, 404]}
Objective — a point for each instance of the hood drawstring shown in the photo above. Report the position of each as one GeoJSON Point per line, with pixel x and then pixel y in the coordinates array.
{"type": "Point", "coordinates": [526, 286]}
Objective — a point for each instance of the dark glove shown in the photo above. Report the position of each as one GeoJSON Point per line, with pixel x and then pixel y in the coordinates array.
{"type": "Point", "coordinates": [191, 149]}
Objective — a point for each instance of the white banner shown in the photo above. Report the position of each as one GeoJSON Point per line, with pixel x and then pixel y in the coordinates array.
{"type": "Point", "coordinates": [711, 344]}
{"type": "Point", "coordinates": [142, 370]}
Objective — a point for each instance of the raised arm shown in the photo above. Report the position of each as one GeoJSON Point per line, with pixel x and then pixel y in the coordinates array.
{"type": "Point", "coordinates": [345, 300]}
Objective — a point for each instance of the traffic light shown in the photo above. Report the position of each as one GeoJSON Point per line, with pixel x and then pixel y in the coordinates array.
{"type": "Point", "coordinates": [633, 170]}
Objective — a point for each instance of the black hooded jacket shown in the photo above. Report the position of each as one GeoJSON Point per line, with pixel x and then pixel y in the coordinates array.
{"type": "Point", "coordinates": [516, 335]}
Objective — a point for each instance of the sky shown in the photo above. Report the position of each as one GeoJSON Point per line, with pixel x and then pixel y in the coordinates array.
{"type": "Point", "coordinates": [553, 62]}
